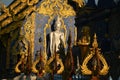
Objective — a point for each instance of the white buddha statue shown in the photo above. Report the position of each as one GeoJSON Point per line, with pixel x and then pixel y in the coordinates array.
{"type": "Point", "coordinates": [56, 37]}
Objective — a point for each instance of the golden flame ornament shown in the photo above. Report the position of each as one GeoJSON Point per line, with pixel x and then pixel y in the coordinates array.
{"type": "Point", "coordinates": [95, 53]}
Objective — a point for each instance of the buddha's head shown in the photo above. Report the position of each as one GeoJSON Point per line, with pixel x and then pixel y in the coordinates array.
{"type": "Point", "coordinates": [58, 23]}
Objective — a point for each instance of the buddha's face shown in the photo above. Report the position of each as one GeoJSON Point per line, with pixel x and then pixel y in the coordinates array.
{"type": "Point", "coordinates": [57, 27]}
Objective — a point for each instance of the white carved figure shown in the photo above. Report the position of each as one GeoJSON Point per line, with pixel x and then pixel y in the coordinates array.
{"type": "Point", "coordinates": [56, 37]}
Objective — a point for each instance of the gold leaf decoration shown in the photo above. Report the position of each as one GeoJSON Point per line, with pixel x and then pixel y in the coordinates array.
{"type": "Point", "coordinates": [56, 7]}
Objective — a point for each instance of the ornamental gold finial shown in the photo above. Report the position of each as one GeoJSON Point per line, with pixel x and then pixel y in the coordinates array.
{"type": "Point", "coordinates": [95, 43]}
{"type": "Point", "coordinates": [98, 61]}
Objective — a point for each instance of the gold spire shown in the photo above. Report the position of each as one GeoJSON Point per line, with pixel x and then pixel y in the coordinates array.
{"type": "Point", "coordinates": [95, 43]}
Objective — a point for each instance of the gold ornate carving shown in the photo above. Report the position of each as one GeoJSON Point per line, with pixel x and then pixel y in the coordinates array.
{"type": "Point", "coordinates": [14, 4]}
{"type": "Point", "coordinates": [45, 28]}
{"type": "Point", "coordinates": [29, 29]}
{"type": "Point", "coordinates": [34, 70]}
{"type": "Point", "coordinates": [56, 7]}
{"type": "Point", "coordinates": [105, 68]}
{"type": "Point", "coordinates": [28, 41]}
{"type": "Point", "coordinates": [32, 2]}
{"type": "Point", "coordinates": [84, 67]}
{"type": "Point", "coordinates": [52, 58]}
{"type": "Point", "coordinates": [13, 9]}
{"type": "Point", "coordinates": [17, 18]}
{"type": "Point", "coordinates": [19, 8]}
{"type": "Point", "coordinates": [95, 51]}
{"type": "Point", "coordinates": [7, 21]}
{"type": "Point", "coordinates": [65, 31]}
{"type": "Point", "coordinates": [5, 11]}
{"type": "Point", "coordinates": [24, 56]}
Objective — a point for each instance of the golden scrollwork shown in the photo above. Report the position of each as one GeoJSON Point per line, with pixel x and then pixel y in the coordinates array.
{"type": "Point", "coordinates": [13, 5]}
{"type": "Point", "coordinates": [93, 52]}
{"type": "Point", "coordinates": [29, 29]}
{"type": "Point", "coordinates": [5, 9]}
{"type": "Point", "coordinates": [20, 7]}
{"type": "Point", "coordinates": [28, 32]}
{"type": "Point", "coordinates": [30, 2]}
{"type": "Point", "coordinates": [84, 67]}
{"type": "Point", "coordinates": [105, 68]}
{"type": "Point", "coordinates": [9, 13]}
{"type": "Point", "coordinates": [56, 7]}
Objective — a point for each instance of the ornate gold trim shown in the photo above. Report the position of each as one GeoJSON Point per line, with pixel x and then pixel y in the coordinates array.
{"type": "Point", "coordinates": [32, 2]}
{"type": "Point", "coordinates": [45, 28]}
{"type": "Point", "coordinates": [95, 51]}
{"type": "Point", "coordinates": [56, 7]}
{"type": "Point", "coordinates": [29, 29]}
{"type": "Point", "coordinates": [17, 18]}
{"type": "Point", "coordinates": [20, 7]}
{"type": "Point", "coordinates": [105, 68]}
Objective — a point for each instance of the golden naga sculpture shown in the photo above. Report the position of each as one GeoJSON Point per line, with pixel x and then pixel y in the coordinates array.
{"type": "Point", "coordinates": [96, 56]}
